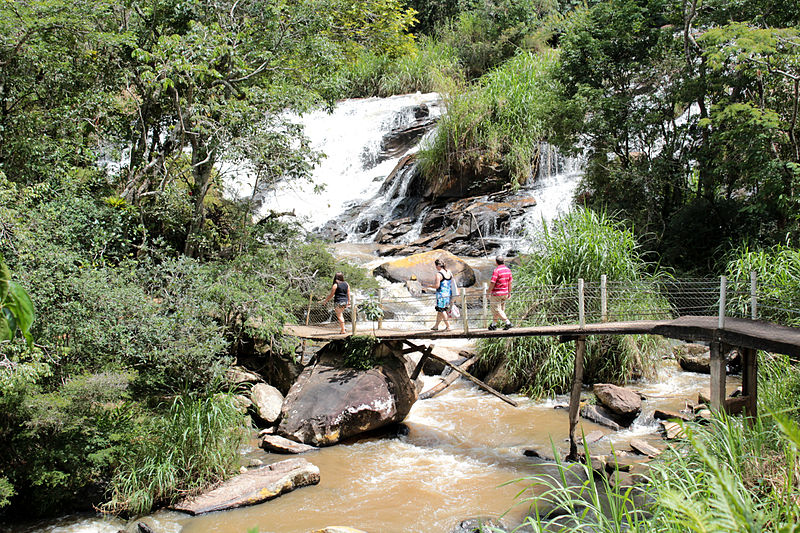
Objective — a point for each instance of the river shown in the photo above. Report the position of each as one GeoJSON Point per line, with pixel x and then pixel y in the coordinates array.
{"type": "Point", "coordinates": [462, 448]}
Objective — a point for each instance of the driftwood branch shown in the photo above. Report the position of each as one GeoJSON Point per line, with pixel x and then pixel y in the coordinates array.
{"type": "Point", "coordinates": [449, 380]}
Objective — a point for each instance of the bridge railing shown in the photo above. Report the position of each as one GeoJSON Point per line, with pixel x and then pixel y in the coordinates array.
{"type": "Point", "coordinates": [588, 302]}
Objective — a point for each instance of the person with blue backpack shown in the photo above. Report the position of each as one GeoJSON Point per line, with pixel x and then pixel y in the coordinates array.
{"type": "Point", "coordinates": [444, 292]}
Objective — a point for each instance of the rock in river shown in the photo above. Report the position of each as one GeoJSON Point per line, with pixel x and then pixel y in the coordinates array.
{"type": "Point", "coordinates": [267, 401]}
{"type": "Point", "coordinates": [254, 486]}
{"type": "Point", "coordinates": [331, 402]}
{"type": "Point", "coordinates": [421, 266]}
{"type": "Point", "coordinates": [623, 402]}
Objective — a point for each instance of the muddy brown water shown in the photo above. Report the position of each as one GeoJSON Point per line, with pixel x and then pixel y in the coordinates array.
{"type": "Point", "coordinates": [462, 453]}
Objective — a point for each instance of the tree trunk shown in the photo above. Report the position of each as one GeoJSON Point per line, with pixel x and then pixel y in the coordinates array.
{"type": "Point", "coordinates": [202, 167]}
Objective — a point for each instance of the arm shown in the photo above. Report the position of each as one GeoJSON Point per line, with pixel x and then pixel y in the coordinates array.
{"type": "Point", "coordinates": [348, 294]}
{"type": "Point", "coordinates": [330, 294]}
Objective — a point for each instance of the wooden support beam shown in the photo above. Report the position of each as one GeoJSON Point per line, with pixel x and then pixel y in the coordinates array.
{"type": "Point", "coordinates": [446, 382]}
{"type": "Point", "coordinates": [475, 380]}
{"type": "Point", "coordinates": [575, 396]}
{"type": "Point", "coordinates": [421, 363]}
{"type": "Point", "coordinates": [718, 374]}
{"type": "Point", "coordinates": [750, 381]}
{"type": "Point", "coordinates": [467, 375]}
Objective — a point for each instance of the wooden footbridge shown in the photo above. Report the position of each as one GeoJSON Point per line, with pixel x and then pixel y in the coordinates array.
{"type": "Point", "coordinates": [616, 310]}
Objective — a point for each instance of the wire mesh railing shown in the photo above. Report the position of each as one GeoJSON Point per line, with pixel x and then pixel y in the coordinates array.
{"type": "Point", "coordinates": [578, 303]}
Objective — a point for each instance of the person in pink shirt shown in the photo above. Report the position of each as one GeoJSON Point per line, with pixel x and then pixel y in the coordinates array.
{"type": "Point", "coordinates": [499, 291]}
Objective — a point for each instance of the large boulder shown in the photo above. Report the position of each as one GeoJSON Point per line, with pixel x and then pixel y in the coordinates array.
{"type": "Point", "coordinates": [267, 401]}
{"type": "Point", "coordinates": [253, 486]}
{"type": "Point", "coordinates": [623, 402]}
{"type": "Point", "coordinates": [330, 402]}
{"type": "Point", "coordinates": [421, 265]}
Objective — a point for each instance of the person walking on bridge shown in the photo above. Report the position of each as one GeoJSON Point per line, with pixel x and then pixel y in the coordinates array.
{"type": "Point", "coordinates": [340, 292]}
{"type": "Point", "coordinates": [499, 291]}
{"type": "Point", "coordinates": [444, 286]}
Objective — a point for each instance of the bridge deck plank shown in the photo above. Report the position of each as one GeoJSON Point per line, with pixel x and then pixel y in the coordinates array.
{"type": "Point", "coordinates": [737, 332]}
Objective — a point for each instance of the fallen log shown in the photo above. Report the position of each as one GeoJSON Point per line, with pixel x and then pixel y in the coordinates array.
{"type": "Point", "coordinates": [449, 380]}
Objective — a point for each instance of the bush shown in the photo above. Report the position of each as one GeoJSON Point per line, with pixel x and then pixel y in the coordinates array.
{"type": "Point", "coordinates": [60, 447]}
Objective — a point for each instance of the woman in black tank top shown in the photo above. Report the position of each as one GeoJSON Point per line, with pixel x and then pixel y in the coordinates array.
{"type": "Point", "coordinates": [340, 292]}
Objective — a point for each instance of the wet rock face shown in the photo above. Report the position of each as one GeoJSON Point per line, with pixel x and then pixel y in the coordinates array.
{"type": "Point", "coordinates": [463, 224]}
{"type": "Point", "coordinates": [402, 139]}
{"type": "Point", "coordinates": [329, 402]}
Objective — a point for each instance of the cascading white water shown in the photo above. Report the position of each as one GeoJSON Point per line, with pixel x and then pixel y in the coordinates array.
{"type": "Point", "coordinates": [350, 137]}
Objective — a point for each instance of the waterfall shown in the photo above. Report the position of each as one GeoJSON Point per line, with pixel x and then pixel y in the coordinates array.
{"type": "Point", "coordinates": [354, 167]}
{"type": "Point", "coordinates": [358, 197]}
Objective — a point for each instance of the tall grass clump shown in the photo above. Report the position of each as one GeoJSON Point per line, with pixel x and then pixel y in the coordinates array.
{"type": "Point", "coordinates": [779, 384]}
{"type": "Point", "coordinates": [778, 272]}
{"type": "Point", "coordinates": [497, 126]}
{"type": "Point", "coordinates": [729, 475]}
{"type": "Point", "coordinates": [430, 66]}
{"type": "Point", "coordinates": [583, 244]}
{"type": "Point", "coordinates": [194, 444]}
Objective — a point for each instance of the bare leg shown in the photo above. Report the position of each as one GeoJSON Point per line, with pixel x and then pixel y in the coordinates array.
{"type": "Point", "coordinates": [340, 317]}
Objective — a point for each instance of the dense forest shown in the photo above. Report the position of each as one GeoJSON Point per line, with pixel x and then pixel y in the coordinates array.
{"type": "Point", "coordinates": [145, 278]}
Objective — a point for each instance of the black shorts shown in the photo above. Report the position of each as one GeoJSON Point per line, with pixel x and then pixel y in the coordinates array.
{"type": "Point", "coordinates": [441, 309]}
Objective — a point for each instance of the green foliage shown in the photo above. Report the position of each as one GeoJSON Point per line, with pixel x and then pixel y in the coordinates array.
{"type": "Point", "coordinates": [195, 443]}
{"type": "Point", "coordinates": [583, 244]}
{"type": "Point", "coordinates": [485, 34]}
{"type": "Point", "coordinates": [372, 309]}
{"type": "Point", "coordinates": [499, 125]}
{"type": "Point", "coordinates": [61, 445]}
{"type": "Point", "coordinates": [778, 385]}
{"type": "Point", "coordinates": [16, 308]}
{"type": "Point", "coordinates": [359, 351]}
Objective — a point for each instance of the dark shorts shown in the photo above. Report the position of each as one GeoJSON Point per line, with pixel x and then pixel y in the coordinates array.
{"type": "Point", "coordinates": [340, 304]}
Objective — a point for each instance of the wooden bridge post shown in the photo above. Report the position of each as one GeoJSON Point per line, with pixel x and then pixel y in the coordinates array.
{"type": "Point", "coordinates": [575, 396]}
{"type": "Point", "coordinates": [750, 381]}
{"type": "Point", "coordinates": [380, 306]}
{"type": "Point", "coordinates": [603, 298]}
{"type": "Point", "coordinates": [464, 312]}
{"type": "Point", "coordinates": [485, 316]}
{"type": "Point", "coordinates": [753, 295]}
{"type": "Point", "coordinates": [424, 357]}
{"type": "Point", "coordinates": [581, 305]}
{"type": "Point", "coordinates": [353, 314]}
{"type": "Point", "coordinates": [718, 376]}
{"type": "Point", "coordinates": [723, 290]}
